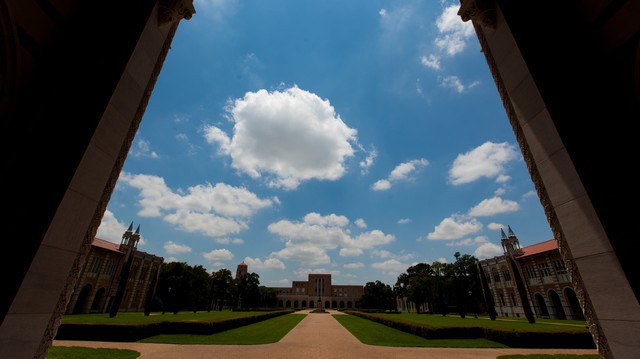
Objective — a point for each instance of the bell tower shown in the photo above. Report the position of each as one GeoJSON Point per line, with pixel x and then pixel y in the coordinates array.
{"type": "Point", "coordinates": [510, 243]}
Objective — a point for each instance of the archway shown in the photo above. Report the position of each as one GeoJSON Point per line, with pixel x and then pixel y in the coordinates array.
{"type": "Point", "coordinates": [542, 306]}
{"type": "Point", "coordinates": [557, 305]}
{"type": "Point", "coordinates": [342, 304]}
{"type": "Point", "coordinates": [281, 304]}
{"type": "Point", "coordinates": [295, 304]}
{"type": "Point", "coordinates": [288, 304]}
{"type": "Point", "coordinates": [97, 301]}
{"type": "Point", "coordinates": [349, 304]}
{"type": "Point", "coordinates": [304, 304]}
{"type": "Point", "coordinates": [327, 304]}
{"type": "Point", "coordinates": [574, 304]}
{"type": "Point", "coordinates": [82, 298]}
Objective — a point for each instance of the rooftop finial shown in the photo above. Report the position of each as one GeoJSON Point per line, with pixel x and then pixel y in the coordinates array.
{"type": "Point", "coordinates": [502, 234]}
{"type": "Point", "coordinates": [130, 227]}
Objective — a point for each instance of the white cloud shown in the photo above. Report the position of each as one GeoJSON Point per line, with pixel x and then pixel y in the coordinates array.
{"type": "Point", "coordinates": [214, 211]}
{"type": "Point", "coordinates": [381, 185]}
{"type": "Point", "coordinates": [491, 206]}
{"type": "Point", "coordinates": [269, 263]}
{"type": "Point", "coordinates": [353, 265]}
{"type": "Point", "coordinates": [288, 136]}
{"type": "Point", "coordinates": [361, 223]}
{"type": "Point", "coordinates": [142, 148]}
{"type": "Point", "coordinates": [229, 240]}
{"type": "Point", "coordinates": [175, 248]}
{"type": "Point", "coordinates": [213, 134]}
{"type": "Point", "coordinates": [368, 161]}
{"type": "Point", "coordinates": [430, 61]}
{"type": "Point", "coordinates": [495, 226]}
{"type": "Point", "coordinates": [488, 250]}
{"type": "Point", "coordinates": [468, 241]}
{"type": "Point", "coordinates": [309, 241]}
{"type": "Point", "coordinates": [382, 12]}
{"type": "Point", "coordinates": [401, 172]}
{"type": "Point", "coordinates": [218, 255]}
{"type": "Point", "coordinates": [455, 227]}
{"type": "Point", "coordinates": [391, 265]}
{"type": "Point", "coordinates": [331, 220]}
{"type": "Point", "coordinates": [217, 10]}
{"type": "Point", "coordinates": [487, 160]}
{"type": "Point", "coordinates": [110, 228]}
{"type": "Point", "coordinates": [404, 221]}
{"type": "Point", "coordinates": [452, 82]}
{"type": "Point", "coordinates": [453, 31]}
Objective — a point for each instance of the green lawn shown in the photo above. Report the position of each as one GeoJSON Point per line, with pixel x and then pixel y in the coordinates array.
{"type": "Point", "coordinates": [372, 333]}
{"type": "Point", "coordinates": [264, 332]}
{"type": "Point", "coordinates": [138, 317]}
{"type": "Point", "coordinates": [437, 320]}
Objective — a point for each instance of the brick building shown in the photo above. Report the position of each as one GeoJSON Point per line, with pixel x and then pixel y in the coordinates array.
{"type": "Point", "coordinates": [548, 288]}
{"type": "Point", "coordinates": [106, 266]}
{"type": "Point", "coordinates": [319, 292]}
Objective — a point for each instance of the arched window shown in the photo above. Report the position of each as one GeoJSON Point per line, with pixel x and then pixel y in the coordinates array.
{"type": "Point", "coordinates": [495, 275]}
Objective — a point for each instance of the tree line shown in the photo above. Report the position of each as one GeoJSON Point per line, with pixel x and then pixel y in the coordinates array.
{"type": "Point", "coordinates": [435, 288]}
{"type": "Point", "coordinates": [182, 287]}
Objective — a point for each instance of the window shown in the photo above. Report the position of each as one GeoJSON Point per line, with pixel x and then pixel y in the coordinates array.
{"type": "Point", "coordinates": [506, 274]}
{"type": "Point", "coordinates": [514, 302]}
{"type": "Point", "coordinates": [487, 277]}
{"type": "Point", "coordinates": [108, 267]}
{"type": "Point", "coordinates": [502, 299]}
{"type": "Point", "coordinates": [95, 265]}
{"type": "Point", "coordinates": [544, 269]}
{"type": "Point", "coordinates": [561, 270]}
{"type": "Point", "coordinates": [531, 272]}
{"type": "Point", "coordinates": [496, 275]}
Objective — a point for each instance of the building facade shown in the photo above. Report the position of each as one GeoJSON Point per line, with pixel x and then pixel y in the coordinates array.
{"type": "Point", "coordinates": [547, 286]}
{"type": "Point", "coordinates": [319, 292]}
{"type": "Point", "coordinates": [110, 268]}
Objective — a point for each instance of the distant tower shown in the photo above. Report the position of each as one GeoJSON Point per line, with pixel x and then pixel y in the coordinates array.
{"type": "Point", "coordinates": [128, 246]}
{"type": "Point", "coordinates": [510, 244]}
{"type": "Point", "coordinates": [130, 241]}
{"type": "Point", "coordinates": [242, 269]}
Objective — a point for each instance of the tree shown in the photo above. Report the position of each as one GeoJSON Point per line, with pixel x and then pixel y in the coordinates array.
{"type": "Point", "coordinates": [377, 295]}
{"type": "Point", "coordinates": [247, 292]}
{"type": "Point", "coordinates": [221, 288]}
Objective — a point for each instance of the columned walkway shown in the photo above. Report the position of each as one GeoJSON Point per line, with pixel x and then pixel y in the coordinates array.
{"type": "Point", "coordinates": [316, 336]}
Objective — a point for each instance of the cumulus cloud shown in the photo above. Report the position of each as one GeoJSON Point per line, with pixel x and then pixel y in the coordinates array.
{"type": "Point", "coordinates": [142, 148]}
{"type": "Point", "coordinates": [488, 250]}
{"type": "Point", "coordinates": [259, 264]}
{"type": "Point", "coordinates": [455, 227]}
{"type": "Point", "coordinates": [218, 255]}
{"type": "Point", "coordinates": [368, 161]}
{"type": "Point", "coordinates": [110, 228]}
{"type": "Point", "coordinates": [453, 31]}
{"type": "Point", "coordinates": [468, 241]}
{"type": "Point", "coordinates": [404, 220]}
{"type": "Point", "coordinates": [308, 241]}
{"type": "Point", "coordinates": [487, 160]}
{"type": "Point", "coordinates": [393, 265]}
{"type": "Point", "coordinates": [491, 206]}
{"type": "Point", "coordinates": [402, 172]}
{"type": "Point", "coordinates": [361, 223]}
{"type": "Point", "coordinates": [213, 210]}
{"type": "Point", "coordinates": [229, 240]}
{"type": "Point", "coordinates": [353, 265]}
{"type": "Point", "coordinates": [285, 137]}
{"type": "Point", "coordinates": [430, 61]}
{"type": "Point", "coordinates": [175, 248]}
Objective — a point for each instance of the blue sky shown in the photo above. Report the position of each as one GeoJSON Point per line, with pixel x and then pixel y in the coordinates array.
{"type": "Point", "coordinates": [355, 138]}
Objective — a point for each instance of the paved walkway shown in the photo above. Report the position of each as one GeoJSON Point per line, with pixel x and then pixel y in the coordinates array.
{"type": "Point", "coordinates": [316, 336]}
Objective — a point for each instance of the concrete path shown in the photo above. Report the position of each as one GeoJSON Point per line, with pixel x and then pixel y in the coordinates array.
{"type": "Point", "coordinates": [317, 336]}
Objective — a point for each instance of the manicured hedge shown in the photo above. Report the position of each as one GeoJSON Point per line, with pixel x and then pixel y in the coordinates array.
{"type": "Point", "coordinates": [509, 337]}
{"type": "Point", "coordinates": [135, 332]}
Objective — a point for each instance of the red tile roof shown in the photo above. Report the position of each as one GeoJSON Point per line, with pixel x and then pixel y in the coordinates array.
{"type": "Point", "coordinates": [541, 247]}
{"type": "Point", "coordinates": [106, 244]}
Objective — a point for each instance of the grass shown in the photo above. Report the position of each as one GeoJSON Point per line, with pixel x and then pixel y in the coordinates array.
{"type": "Point", "coordinates": [90, 353]}
{"type": "Point", "coordinates": [156, 317]}
{"type": "Point", "coordinates": [372, 333]}
{"type": "Point", "coordinates": [542, 325]}
{"type": "Point", "coordinates": [264, 332]}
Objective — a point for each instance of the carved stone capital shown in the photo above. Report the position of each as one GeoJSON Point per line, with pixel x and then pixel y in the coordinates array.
{"type": "Point", "coordinates": [482, 12]}
{"type": "Point", "coordinates": [174, 10]}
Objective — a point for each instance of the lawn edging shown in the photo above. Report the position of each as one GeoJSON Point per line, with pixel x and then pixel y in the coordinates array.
{"type": "Point", "coordinates": [134, 332]}
{"type": "Point", "coordinates": [510, 337]}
